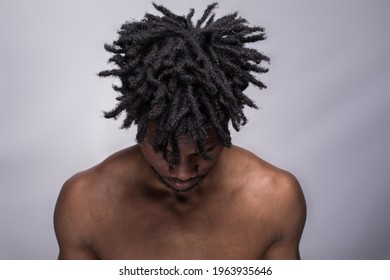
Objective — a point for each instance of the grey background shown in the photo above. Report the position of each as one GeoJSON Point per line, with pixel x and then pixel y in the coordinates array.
{"type": "Point", "coordinates": [324, 115]}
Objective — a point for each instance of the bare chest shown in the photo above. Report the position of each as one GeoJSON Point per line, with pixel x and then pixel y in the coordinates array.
{"type": "Point", "coordinates": [206, 234]}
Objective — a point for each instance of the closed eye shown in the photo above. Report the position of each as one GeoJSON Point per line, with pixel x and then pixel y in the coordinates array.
{"type": "Point", "coordinates": [212, 148]}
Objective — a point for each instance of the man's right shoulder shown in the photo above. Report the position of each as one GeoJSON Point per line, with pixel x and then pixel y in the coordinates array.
{"type": "Point", "coordinates": [73, 218]}
{"type": "Point", "coordinates": [79, 186]}
{"type": "Point", "coordinates": [74, 200]}
{"type": "Point", "coordinates": [82, 202]}
{"type": "Point", "coordinates": [85, 188]}
{"type": "Point", "coordinates": [83, 184]}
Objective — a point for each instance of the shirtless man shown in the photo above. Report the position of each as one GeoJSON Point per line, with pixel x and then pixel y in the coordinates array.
{"type": "Point", "coordinates": [184, 191]}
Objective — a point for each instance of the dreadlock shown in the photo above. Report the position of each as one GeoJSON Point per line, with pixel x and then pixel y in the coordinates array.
{"type": "Point", "coordinates": [189, 78]}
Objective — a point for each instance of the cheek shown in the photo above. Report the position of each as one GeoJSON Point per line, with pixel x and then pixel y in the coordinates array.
{"type": "Point", "coordinates": [156, 160]}
{"type": "Point", "coordinates": [207, 164]}
{"type": "Point", "coordinates": [161, 165]}
{"type": "Point", "coordinates": [216, 154]}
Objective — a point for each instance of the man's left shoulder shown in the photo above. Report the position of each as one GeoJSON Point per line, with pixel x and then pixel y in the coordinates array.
{"type": "Point", "coordinates": [275, 200]}
{"type": "Point", "coordinates": [278, 187]}
{"type": "Point", "coordinates": [286, 201]}
{"type": "Point", "coordinates": [283, 185]}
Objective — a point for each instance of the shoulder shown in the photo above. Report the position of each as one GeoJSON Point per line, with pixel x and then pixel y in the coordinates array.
{"type": "Point", "coordinates": [76, 190]}
{"type": "Point", "coordinates": [265, 177]}
{"type": "Point", "coordinates": [276, 191]}
{"type": "Point", "coordinates": [82, 203]}
{"type": "Point", "coordinates": [74, 207]}
{"type": "Point", "coordinates": [73, 218]}
{"type": "Point", "coordinates": [85, 188]}
{"type": "Point", "coordinates": [276, 198]}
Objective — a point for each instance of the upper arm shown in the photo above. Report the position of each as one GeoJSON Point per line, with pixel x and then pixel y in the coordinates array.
{"type": "Point", "coordinates": [72, 220]}
{"type": "Point", "coordinates": [290, 216]}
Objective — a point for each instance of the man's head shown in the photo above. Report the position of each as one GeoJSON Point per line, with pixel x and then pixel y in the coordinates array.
{"type": "Point", "coordinates": [188, 78]}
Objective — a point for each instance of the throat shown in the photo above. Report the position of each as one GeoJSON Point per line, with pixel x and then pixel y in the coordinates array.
{"type": "Point", "coordinates": [184, 202]}
{"type": "Point", "coordinates": [182, 198]}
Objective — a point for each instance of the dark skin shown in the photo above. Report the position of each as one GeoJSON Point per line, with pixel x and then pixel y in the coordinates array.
{"type": "Point", "coordinates": [134, 205]}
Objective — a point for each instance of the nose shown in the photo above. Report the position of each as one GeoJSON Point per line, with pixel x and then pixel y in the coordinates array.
{"type": "Point", "coordinates": [185, 170]}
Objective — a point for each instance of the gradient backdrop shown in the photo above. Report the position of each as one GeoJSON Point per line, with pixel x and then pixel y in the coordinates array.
{"type": "Point", "coordinates": [324, 117]}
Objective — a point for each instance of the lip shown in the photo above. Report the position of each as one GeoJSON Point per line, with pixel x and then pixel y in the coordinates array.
{"type": "Point", "coordinates": [181, 185]}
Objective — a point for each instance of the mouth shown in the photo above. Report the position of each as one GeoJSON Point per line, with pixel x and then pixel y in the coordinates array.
{"type": "Point", "coordinates": [177, 184]}
{"type": "Point", "coordinates": [182, 185]}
